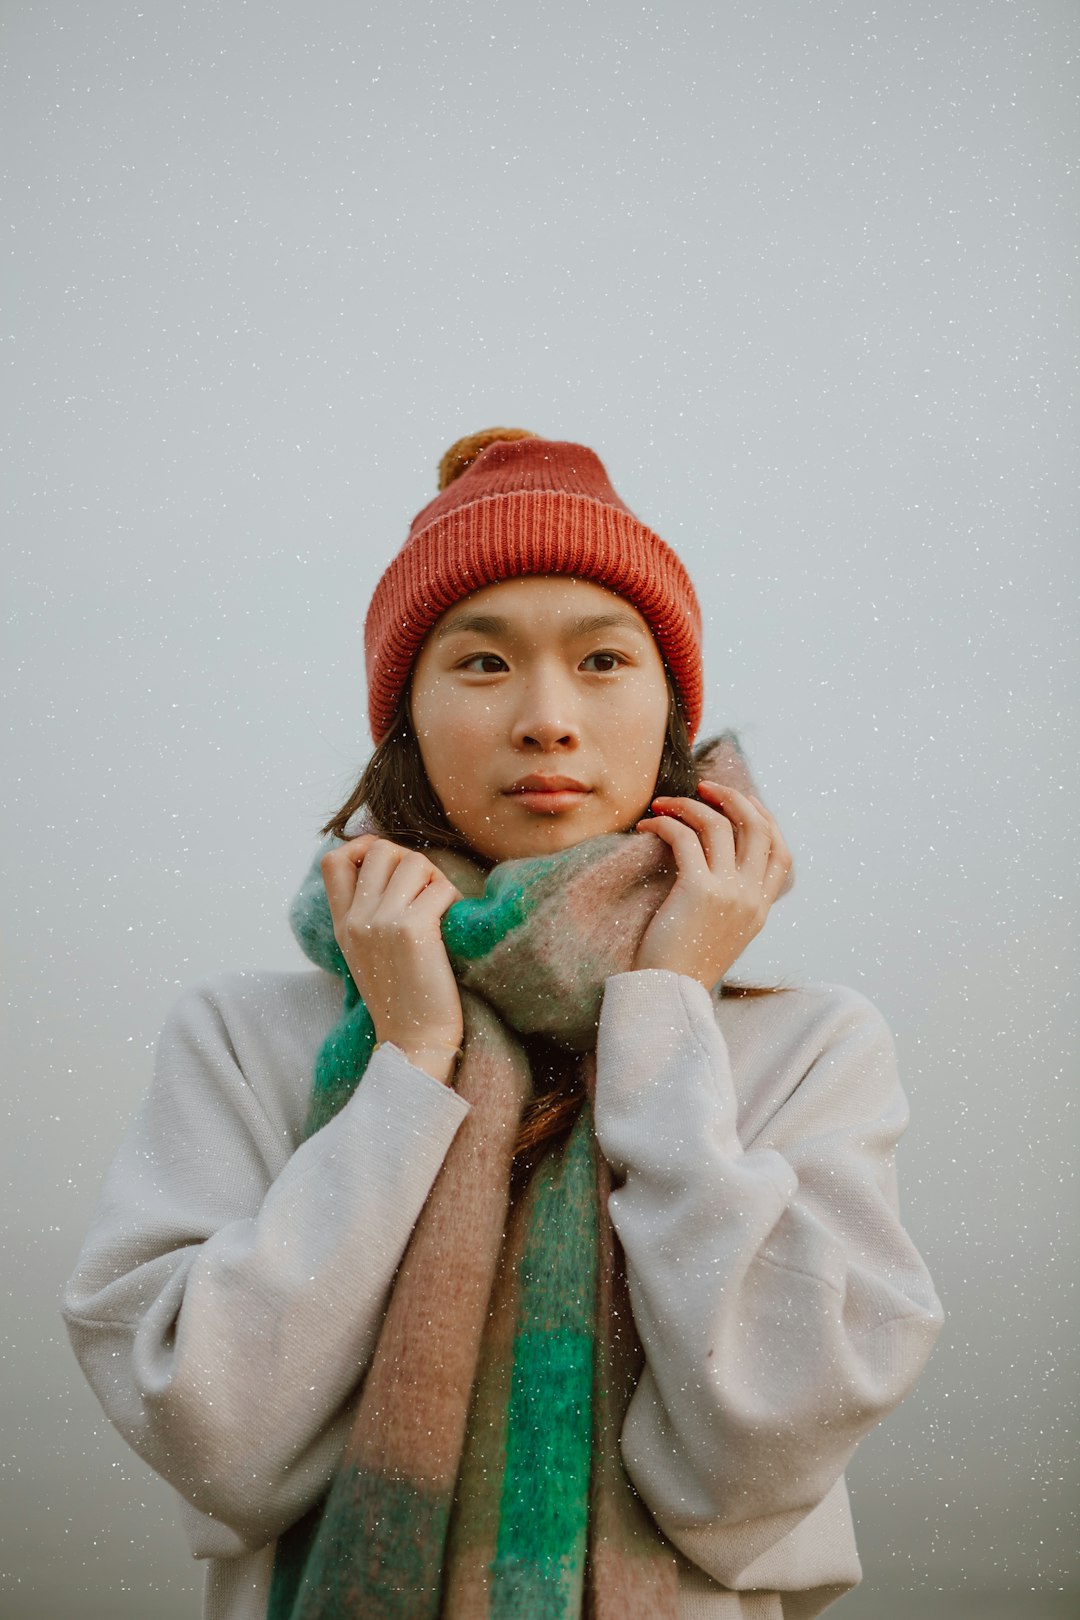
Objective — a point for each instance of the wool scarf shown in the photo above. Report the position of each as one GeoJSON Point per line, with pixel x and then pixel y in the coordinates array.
{"type": "Point", "coordinates": [481, 1477]}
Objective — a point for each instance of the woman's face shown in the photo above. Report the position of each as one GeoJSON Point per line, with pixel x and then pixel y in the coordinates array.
{"type": "Point", "coordinates": [523, 679]}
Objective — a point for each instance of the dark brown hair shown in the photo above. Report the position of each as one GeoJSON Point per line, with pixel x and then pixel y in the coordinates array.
{"type": "Point", "coordinates": [395, 790]}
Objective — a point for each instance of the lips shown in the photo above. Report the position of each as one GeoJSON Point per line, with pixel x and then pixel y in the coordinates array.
{"type": "Point", "coordinates": [548, 784]}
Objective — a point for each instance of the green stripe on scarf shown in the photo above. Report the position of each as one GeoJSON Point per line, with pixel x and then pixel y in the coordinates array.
{"type": "Point", "coordinates": [539, 1562]}
{"type": "Point", "coordinates": [375, 1550]}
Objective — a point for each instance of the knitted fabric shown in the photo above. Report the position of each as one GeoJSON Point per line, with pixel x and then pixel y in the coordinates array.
{"type": "Point", "coordinates": [527, 506]}
{"type": "Point", "coordinates": [481, 1479]}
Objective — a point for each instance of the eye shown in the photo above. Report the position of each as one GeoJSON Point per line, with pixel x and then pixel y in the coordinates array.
{"type": "Point", "coordinates": [466, 662]}
{"type": "Point", "coordinates": [484, 657]}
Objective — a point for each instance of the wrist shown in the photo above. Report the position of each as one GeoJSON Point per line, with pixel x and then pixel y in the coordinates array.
{"type": "Point", "coordinates": [437, 1060]}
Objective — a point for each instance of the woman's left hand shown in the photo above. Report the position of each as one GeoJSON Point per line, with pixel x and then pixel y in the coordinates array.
{"type": "Point", "coordinates": [731, 863]}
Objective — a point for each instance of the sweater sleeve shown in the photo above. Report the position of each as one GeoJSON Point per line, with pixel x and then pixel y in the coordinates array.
{"type": "Point", "coordinates": [782, 1308]}
{"type": "Point", "coordinates": [224, 1314]}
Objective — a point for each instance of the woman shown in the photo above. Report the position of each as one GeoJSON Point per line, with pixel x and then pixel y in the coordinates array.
{"type": "Point", "coordinates": [512, 1262]}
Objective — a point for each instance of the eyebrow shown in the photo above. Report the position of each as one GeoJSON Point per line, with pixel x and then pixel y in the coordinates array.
{"type": "Point", "coordinates": [488, 624]}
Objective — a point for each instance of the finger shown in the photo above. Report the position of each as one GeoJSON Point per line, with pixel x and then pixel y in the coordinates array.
{"type": "Point", "coordinates": [347, 855]}
{"type": "Point", "coordinates": [685, 843]}
{"type": "Point", "coordinates": [365, 861]}
{"type": "Point", "coordinates": [374, 871]}
{"type": "Point", "coordinates": [339, 874]}
{"type": "Point", "coordinates": [771, 821]}
{"type": "Point", "coordinates": [713, 829]}
{"type": "Point", "coordinates": [745, 827]}
{"type": "Point", "coordinates": [431, 893]}
{"type": "Point", "coordinates": [778, 878]}
{"type": "Point", "coordinates": [765, 811]}
{"type": "Point", "coordinates": [410, 876]}
{"type": "Point", "coordinates": [778, 874]}
{"type": "Point", "coordinates": [738, 807]}
{"type": "Point", "coordinates": [438, 897]}
{"type": "Point", "coordinates": [756, 826]}
{"type": "Point", "coordinates": [769, 817]}
{"type": "Point", "coordinates": [353, 848]}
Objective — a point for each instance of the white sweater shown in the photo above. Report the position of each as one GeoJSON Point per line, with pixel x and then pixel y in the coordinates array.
{"type": "Point", "coordinates": [229, 1293]}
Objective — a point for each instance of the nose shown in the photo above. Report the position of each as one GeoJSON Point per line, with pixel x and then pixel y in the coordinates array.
{"type": "Point", "coordinates": [546, 715]}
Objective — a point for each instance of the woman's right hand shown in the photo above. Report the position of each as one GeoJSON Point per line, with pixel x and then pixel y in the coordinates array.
{"type": "Point", "coordinates": [387, 903]}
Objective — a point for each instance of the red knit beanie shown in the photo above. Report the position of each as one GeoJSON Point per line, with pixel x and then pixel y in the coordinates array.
{"type": "Point", "coordinates": [511, 504]}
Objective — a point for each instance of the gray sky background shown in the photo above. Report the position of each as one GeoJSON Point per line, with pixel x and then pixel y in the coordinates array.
{"type": "Point", "coordinates": [803, 275]}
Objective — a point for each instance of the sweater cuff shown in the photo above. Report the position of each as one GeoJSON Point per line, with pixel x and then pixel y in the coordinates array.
{"type": "Point", "coordinates": [640, 987]}
{"type": "Point", "coordinates": [418, 1109]}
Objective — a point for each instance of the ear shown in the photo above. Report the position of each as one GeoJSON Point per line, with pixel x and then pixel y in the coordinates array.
{"type": "Point", "coordinates": [721, 759]}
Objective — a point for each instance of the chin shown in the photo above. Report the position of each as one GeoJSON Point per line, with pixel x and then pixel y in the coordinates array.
{"type": "Point", "coordinates": [539, 834]}
{"type": "Point", "coordinates": [550, 840]}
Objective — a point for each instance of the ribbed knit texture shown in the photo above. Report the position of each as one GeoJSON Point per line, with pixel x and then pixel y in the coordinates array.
{"type": "Point", "coordinates": [527, 506]}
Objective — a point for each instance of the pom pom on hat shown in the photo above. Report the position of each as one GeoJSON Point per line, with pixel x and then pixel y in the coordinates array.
{"type": "Point", "coordinates": [463, 452]}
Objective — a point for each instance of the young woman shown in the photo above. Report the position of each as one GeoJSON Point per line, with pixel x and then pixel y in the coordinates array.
{"type": "Point", "coordinates": [512, 1261]}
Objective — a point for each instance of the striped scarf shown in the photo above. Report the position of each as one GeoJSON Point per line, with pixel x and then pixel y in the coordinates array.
{"type": "Point", "coordinates": [481, 1477]}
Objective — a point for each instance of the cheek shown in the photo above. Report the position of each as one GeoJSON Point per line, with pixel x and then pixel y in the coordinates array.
{"type": "Point", "coordinates": [637, 730]}
{"type": "Point", "coordinates": [453, 753]}
{"type": "Point", "coordinates": [439, 723]}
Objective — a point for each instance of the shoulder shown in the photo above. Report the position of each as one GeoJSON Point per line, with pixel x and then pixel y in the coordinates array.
{"type": "Point", "coordinates": [245, 996]}
{"type": "Point", "coordinates": [257, 1031]}
{"type": "Point", "coordinates": [819, 1044]}
{"type": "Point", "coordinates": [816, 1012]}
{"type": "Point", "coordinates": [839, 1009]}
